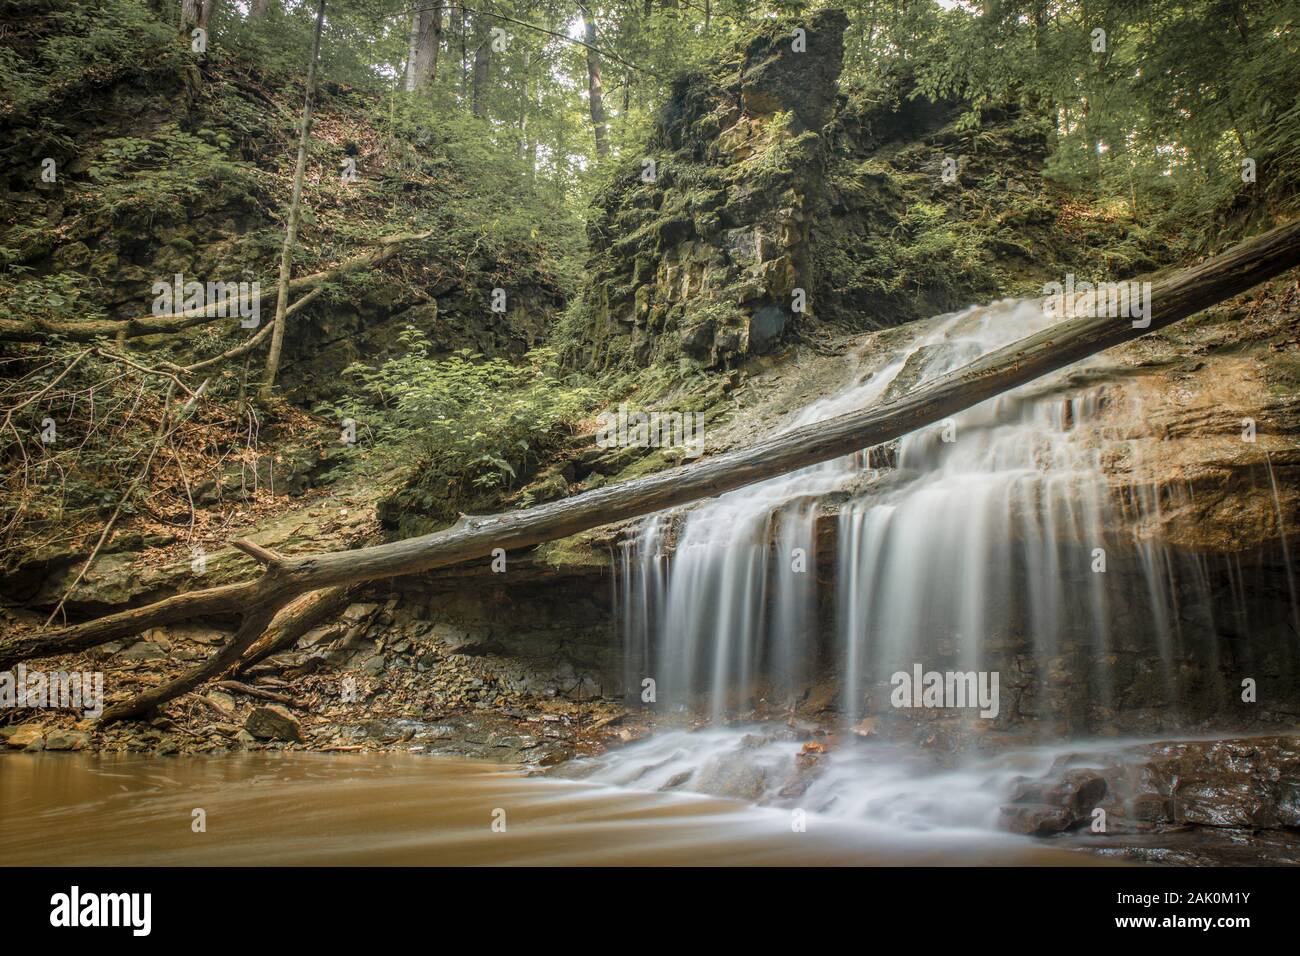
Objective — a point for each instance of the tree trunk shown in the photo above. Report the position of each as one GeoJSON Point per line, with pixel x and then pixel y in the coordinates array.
{"type": "Point", "coordinates": [284, 578]}
{"type": "Point", "coordinates": [426, 41]}
{"type": "Point", "coordinates": [464, 59]}
{"type": "Point", "coordinates": [206, 9]}
{"type": "Point", "coordinates": [295, 211]}
{"type": "Point", "coordinates": [297, 618]}
{"type": "Point", "coordinates": [523, 107]}
{"type": "Point", "coordinates": [258, 9]}
{"type": "Point", "coordinates": [595, 93]}
{"type": "Point", "coordinates": [482, 70]}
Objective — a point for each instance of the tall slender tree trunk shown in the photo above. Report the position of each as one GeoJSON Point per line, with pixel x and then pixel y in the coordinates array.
{"type": "Point", "coordinates": [523, 105]}
{"type": "Point", "coordinates": [426, 40]}
{"type": "Point", "coordinates": [206, 9]}
{"type": "Point", "coordinates": [295, 212]}
{"type": "Point", "coordinates": [464, 59]}
{"type": "Point", "coordinates": [482, 68]}
{"type": "Point", "coordinates": [595, 92]}
{"type": "Point", "coordinates": [258, 9]}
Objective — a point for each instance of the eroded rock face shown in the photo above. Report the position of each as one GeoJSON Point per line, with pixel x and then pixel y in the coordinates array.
{"type": "Point", "coordinates": [702, 247]}
{"type": "Point", "coordinates": [795, 70]}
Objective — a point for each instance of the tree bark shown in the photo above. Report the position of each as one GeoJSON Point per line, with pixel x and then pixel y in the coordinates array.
{"type": "Point", "coordinates": [206, 9]}
{"type": "Point", "coordinates": [595, 91]}
{"type": "Point", "coordinates": [526, 60]}
{"type": "Point", "coordinates": [426, 41]}
{"type": "Point", "coordinates": [295, 211]}
{"type": "Point", "coordinates": [258, 9]}
{"type": "Point", "coordinates": [286, 577]}
{"type": "Point", "coordinates": [297, 618]}
{"type": "Point", "coordinates": [482, 68]}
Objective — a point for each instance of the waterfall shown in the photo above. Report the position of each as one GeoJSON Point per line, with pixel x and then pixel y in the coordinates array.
{"type": "Point", "coordinates": [992, 531]}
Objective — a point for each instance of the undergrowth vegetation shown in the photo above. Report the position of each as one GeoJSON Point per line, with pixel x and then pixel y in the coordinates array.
{"type": "Point", "coordinates": [469, 426]}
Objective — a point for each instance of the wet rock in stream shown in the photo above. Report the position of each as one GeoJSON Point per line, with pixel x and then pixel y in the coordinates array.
{"type": "Point", "coordinates": [1224, 790]}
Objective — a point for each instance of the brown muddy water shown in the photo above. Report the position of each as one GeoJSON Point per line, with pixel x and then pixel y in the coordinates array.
{"type": "Point", "coordinates": [393, 809]}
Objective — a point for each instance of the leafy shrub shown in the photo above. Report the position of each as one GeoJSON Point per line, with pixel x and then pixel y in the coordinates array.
{"type": "Point", "coordinates": [474, 425]}
{"type": "Point", "coordinates": [138, 179]}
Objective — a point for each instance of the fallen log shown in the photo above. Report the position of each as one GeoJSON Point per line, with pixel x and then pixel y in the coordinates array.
{"type": "Point", "coordinates": [255, 622]}
{"type": "Point", "coordinates": [298, 617]}
{"type": "Point", "coordinates": [37, 330]}
{"type": "Point", "coordinates": [252, 341]}
{"type": "Point", "coordinates": [286, 577]}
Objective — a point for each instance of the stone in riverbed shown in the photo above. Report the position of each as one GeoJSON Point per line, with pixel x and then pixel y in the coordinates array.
{"type": "Point", "coordinates": [144, 651]}
{"type": "Point", "coordinates": [1036, 819]}
{"type": "Point", "coordinates": [734, 775]}
{"type": "Point", "coordinates": [273, 722]}
{"type": "Point", "coordinates": [223, 701]}
{"type": "Point", "coordinates": [26, 736]}
{"type": "Point", "coordinates": [358, 613]}
{"type": "Point", "coordinates": [67, 740]}
{"type": "Point", "coordinates": [1044, 807]}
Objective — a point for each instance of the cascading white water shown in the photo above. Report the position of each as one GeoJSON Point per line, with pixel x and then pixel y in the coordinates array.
{"type": "Point", "coordinates": [986, 528]}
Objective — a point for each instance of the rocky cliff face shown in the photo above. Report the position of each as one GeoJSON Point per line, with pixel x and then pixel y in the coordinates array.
{"type": "Point", "coordinates": [769, 206]}
{"type": "Point", "coordinates": [702, 243]}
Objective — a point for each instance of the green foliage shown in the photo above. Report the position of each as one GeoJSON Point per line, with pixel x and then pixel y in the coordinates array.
{"type": "Point", "coordinates": [1161, 118]}
{"type": "Point", "coordinates": [474, 425]}
{"type": "Point", "coordinates": [57, 297]}
{"type": "Point", "coordinates": [927, 250]}
{"type": "Point", "coordinates": [138, 179]}
{"type": "Point", "coordinates": [73, 44]}
{"type": "Point", "coordinates": [489, 209]}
